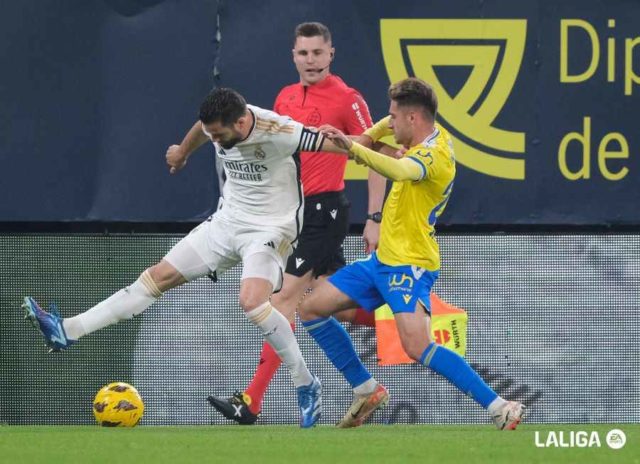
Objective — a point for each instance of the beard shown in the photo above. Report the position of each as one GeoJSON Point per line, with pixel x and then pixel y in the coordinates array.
{"type": "Point", "coordinates": [401, 139]}
{"type": "Point", "coordinates": [230, 143]}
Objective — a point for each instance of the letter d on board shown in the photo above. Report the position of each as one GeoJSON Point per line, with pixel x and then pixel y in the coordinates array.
{"type": "Point", "coordinates": [584, 139]}
{"type": "Point", "coordinates": [565, 24]}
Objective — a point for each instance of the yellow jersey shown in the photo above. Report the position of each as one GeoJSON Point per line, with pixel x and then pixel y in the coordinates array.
{"type": "Point", "coordinates": [410, 212]}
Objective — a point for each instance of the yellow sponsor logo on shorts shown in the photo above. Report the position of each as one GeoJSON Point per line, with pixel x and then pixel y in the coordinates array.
{"type": "Point", "coordinates": [398, 280]}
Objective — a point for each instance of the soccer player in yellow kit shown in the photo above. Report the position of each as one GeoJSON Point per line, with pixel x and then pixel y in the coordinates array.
{"type": "Point", "coordinates": [405, 266]}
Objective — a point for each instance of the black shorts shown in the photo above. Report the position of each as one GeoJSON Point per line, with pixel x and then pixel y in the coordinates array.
{"type": "Point", "coordinates": [319, 247]}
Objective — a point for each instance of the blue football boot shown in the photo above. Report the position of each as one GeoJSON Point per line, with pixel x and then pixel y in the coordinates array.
{"type": "Point", "coordinates": [310, 403]}
{"type": "Point", "coordinates": [48, 323]}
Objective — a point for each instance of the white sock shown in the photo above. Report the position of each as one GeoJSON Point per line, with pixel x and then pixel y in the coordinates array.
{"type": "Point", "coordinates": [496, 405]}
{"type": "Point", "coordinates": [277, 331]}
{"type": "Point", "coordinates": [124, 304]}
{"type": "Point", "coordinates": [366, 388]}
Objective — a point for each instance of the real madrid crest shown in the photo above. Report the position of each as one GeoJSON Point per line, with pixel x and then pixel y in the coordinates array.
{"type": "Point", "coordinates": [260, 154]}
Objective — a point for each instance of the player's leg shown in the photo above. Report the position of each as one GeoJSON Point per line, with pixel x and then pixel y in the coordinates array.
{"type": "Point", "coordinates": [359, 316]}
{"type": "Point", "coordinates": [414, 329]}
{"type": "Point", "coordinates": [61, 333]}
{"type": "Point", "coordinates": [286, 300]}
{"type": "Point", "coordinates": [182, 263]}
{"type": "Point", "coordinates": [127, 302]}
{"type": "Point", "coordinates": [262, 273]}
{"type": "Point", "coordinates": [348, 288]}
{"type": "Point", "coordinates": [355, 316]}
{"type": "Point", "coordinates": [315, 251]}
{"type": "Point", "coordinates": [244, 407]}
{"type": "Point", "coordinates": [293, 290]}
{"type": "Point", "coordinates": [332, 211]}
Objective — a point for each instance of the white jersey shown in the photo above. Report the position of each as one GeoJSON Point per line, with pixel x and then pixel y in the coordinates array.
{"type": "Point", "coordinates": [262, 185]}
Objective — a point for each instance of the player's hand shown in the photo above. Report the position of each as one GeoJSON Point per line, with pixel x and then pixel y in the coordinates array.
{"type": "Point", "coordinates": [176, 158]}
{"type": "Point", "coordinates": [400, 153]}
{"type": "Point", "coordinates": [370, 236]}
{"type": "Point", "coordinates": [337, 137]}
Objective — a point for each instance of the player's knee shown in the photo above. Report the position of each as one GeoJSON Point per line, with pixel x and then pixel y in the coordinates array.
{"type": "Point", "coordinates": [163, 276]}
{"type": "Point", "coordinates": [414, 348]}
{"type": "Point", "coordinates": [307, 309]}
{"type": "Point", "coordinates": [348, 315]}
{"type": "Point", "coordinates": [249, 303]}
{"type": "Point", "coordinates": [254, 291]}
{"type": "Point", "coordinates": [251, 300]}
{"type": "Point", "coordinates": [414, 353]}
{"type": "Point", "coordinates": [149, 281]}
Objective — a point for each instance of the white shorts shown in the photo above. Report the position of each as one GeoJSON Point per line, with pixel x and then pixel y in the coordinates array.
{"type": "Point", "coordinates": [218, 244]}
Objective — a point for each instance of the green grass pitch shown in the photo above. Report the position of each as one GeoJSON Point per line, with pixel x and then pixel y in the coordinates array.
{"type": "Point", "coordinates": [288, 444]}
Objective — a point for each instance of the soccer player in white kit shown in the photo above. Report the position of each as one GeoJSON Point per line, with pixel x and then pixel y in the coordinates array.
{"type": "Point", "coordinates": [257, 225]}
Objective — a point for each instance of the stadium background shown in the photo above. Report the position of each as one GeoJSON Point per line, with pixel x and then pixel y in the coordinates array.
{"type": "Point", "coordinates": [547, 267]}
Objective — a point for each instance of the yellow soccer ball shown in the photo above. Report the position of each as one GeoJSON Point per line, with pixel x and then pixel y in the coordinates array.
{"type": "Point", "coordinates": [118, 405]}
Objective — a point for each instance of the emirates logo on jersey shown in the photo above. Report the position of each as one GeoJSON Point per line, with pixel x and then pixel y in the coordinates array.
{"type": "Point", "coordinates": [260, 154]}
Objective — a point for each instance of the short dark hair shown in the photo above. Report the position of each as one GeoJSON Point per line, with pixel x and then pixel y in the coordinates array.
{"type": "Point", "coordinates": [312, 29]}
{"type": "Point", "coordinates": [224, 105]}
{"type": "Point", "coordinates": [415, 92]}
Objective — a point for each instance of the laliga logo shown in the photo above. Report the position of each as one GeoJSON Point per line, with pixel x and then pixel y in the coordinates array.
{"type": "Point", "coordinates": [493, 48]}
{"type": "Point", "coordinates": [615, 439]}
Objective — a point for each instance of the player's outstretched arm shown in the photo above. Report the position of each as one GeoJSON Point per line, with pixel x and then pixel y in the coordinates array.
{"type": "Point", "coordinates": [336, 141]}
{"type": "Point", "coordinates": [388, 150]}
{"type": "Point", "coordinates": [391, 168]}
{"type": "Point", "coordinates": [333, 144]}
{"type": "Point", "coordinates": [380, 147]}
{"type": "Point", "coordinates": [395, 169]}
{"type": "Point", "coordinates": [177, 155]}
{"type": "Point", "coordinates": [363, 139]}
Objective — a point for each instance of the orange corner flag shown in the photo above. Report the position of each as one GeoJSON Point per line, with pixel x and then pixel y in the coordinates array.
{"type": "Point", "coordinates": [448, 328]}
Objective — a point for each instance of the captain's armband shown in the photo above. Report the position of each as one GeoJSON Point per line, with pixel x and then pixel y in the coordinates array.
{"type": "Point", "coordinates": [310, 140]}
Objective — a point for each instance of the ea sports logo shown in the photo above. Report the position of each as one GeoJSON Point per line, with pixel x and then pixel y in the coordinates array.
{"type": "Point", "coordinates": [616, 439]}
{"type": "Point", "coordinates": [493, 50]}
